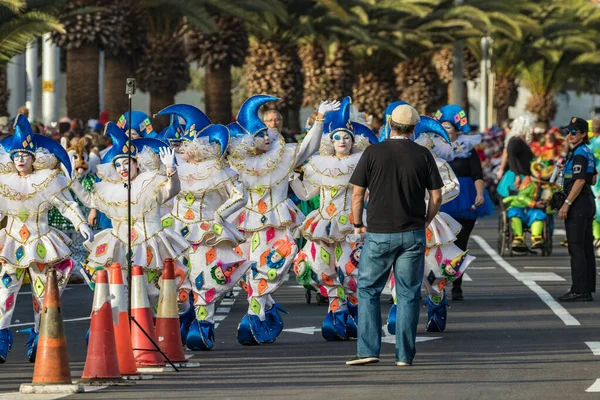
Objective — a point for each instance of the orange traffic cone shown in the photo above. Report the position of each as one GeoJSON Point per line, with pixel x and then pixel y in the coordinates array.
{"type": "Point", "coordinates": [144, 351]}
{"type": "Point", "coordinates": [167, 317]}
{"type": "Point", "coordinates": [101, 362]}
{"type": "Point", "coordinates": [52, 362]}
{"type": "Point", "coordinates": [118, 302]}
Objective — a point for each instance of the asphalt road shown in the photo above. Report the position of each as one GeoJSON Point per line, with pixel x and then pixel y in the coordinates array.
{"type": "Point", "coordinates": [509, 339]}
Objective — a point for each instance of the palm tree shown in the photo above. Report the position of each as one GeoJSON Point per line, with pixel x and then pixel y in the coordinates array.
{"type": "Point", "coordinates": [225, 47]}
{"type": "Point", "coordinates": [565, 45]}
{"type": "Point", "coordinates": [85, 32]}
{"type": "Point", "coordinates": [120, 58]}
{"type": "Point", "coordinates": [19, 25]}
{"type": "Point", "coordinates": [163, 69]}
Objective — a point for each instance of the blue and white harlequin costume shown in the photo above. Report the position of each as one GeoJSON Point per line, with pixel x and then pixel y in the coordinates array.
{"type": "Point", "coordinates": [444, 261]}
{"type": "Point", "coordinates": [152, 242]}
{"type": "Point", "coordinates": [461, 206]}
{"type": "Point", "coordinates": [210, 192]}
{"type": "Point", "coordinates": [269, 217]}
{"type": "Point", "coordinates": [327, 261]}
{"type": "Point", "coordinates": [28, 243]}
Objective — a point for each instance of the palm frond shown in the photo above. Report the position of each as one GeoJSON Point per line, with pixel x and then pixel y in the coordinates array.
{"type": "Point", "coordinates": [18, 33]}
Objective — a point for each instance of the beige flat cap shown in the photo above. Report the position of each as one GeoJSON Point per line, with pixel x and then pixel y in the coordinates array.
{"type": "Point", "coordinates": [405, 114]}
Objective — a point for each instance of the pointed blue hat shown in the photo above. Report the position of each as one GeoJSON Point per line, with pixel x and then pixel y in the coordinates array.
{"type": "Point", "coordinates": [430, 125]}
{"type": "Point", "coordinates": [385, 129]}
{"type": "Point", "coordinates": [140, 122]}
{"type": "Point", "coordinates": [248, 122]}
{"type": "Point", "coordinates": [455, 115]}
{"type": "Point", "coordinates": [24, 140]}
{"type": "Point", "coordinates": [339, 120]}
{"type": "Point", "coordinates": [199, 125]}
{"type": "Point", "coordinates": [121, 145]}
{"type": "Point", "coordinates": [173, 133]}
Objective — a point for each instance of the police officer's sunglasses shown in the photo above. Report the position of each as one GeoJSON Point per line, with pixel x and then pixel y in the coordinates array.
{"type": "Point", "coordinates": [572, 132]}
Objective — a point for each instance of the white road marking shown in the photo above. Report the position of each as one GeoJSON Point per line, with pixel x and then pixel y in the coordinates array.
{"type": "Point", "coordinates": [467, 278]}
{"type": "Point", "coordinates": [482, 267]}
{"type": "Point", "coordinates": [529, 280]}
{"type": "Point", "coordinates": [547, 267]}
{"type": "Point", "coordinates": [20, 396]}
{"type": "Point", "coordinates": [66, 320]}
{"type": "Point", "coordinates": [391, 339]}
{"type": "Point", "coordinates": [223, 310]}
{"type": "Point", "coordinates": [307, 330]}
{"type": "Point", "coordinates": [227, 302]}
{"type": "Point", "coordinates": [595, 347]}
{"type": "Point", "coordinates": [560, 232]}
{"type": "Point", "coordinates": [595, 388]}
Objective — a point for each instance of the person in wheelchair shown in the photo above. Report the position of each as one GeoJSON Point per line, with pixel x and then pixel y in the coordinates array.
{"type": "Point", "coordinates": [529, 207]}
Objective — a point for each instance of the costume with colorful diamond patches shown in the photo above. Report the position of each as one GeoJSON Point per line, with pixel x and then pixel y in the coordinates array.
{"type": "Point", "coordinates": [444, 261]}
{"type": "Point", "coordinates": [269, 217]}
{"type": "Point", "coordinates": [327, 261]}
{"type": "Point", "coordinates": [151, 242]}
{"type": "Point", "coordinates": [210, 192]}
{"type": "Point", "coordinates": [28, 243]}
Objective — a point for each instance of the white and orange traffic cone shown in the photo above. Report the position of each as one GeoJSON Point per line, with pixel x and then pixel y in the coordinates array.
{"type": "Point", "coordinates": [118, 302]}
{"type": "Point", "coordinates": [167, 317]}
{"type": "Point", "coordinates": [101, 363]}
{"type": "Point", "coordinates": [144, 352]}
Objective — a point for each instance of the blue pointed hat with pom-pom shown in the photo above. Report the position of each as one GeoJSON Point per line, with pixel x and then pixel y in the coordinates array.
{"type": "Point", "coordinates": [121, 145]}
{"type": "Point", "coordinates": [430, 125]}
{"type": "Point", "coordinates": [248, 122]}
{"type": "Point", "coordinates": [24, 140]}
{"type": "Point", "coordinates": [198, 125]}
{"type": "Point", "coordinates": [339, 120]}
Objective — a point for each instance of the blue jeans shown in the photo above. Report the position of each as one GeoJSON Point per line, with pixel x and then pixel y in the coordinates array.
{"type": "Point", "coordinates": [405, 252]}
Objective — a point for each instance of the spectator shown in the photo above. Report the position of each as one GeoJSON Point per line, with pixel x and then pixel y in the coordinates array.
{"type": "Point", "coordinates": [517, 156]}
{"type": "Point", "coordinates": [273, 120]}
{"type": "Point", "coordinates": [398, 173]}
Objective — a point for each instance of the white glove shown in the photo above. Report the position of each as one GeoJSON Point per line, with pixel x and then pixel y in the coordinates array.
{"type": "Point", "coordinates": [167, 157]}
{"type": "Point", "coordinates": [328, 106]}
{"type": "Point", "coordinates": [86, 232]}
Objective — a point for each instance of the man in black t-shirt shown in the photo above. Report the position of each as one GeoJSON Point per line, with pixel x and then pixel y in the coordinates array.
{"type": "Point", "coordinates": [398, 173]}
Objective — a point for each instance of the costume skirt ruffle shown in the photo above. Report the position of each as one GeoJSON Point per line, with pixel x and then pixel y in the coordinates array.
{"type": "Point", "coordinates": [460, 207]}
{"type": "Point", "coordinates": [50, 248]}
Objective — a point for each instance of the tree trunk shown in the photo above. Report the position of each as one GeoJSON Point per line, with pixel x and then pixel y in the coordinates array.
{"type": "Point", "coordinates": [217, 94]}
{"type": "Point", "coordinates": [292, 119]}
{"type": "Point", "coordinates": [501, 115]}
{"type": "Point", "coordinates": [4, 92]}
{"type": "Point", "coordinates": [158, 101]}
{"type": "Point", "coordinates": [83, 100]}
{"type": "Point", "coordinates": [116, 72]}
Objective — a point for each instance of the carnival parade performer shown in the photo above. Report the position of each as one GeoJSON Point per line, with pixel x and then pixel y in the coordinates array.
{"type": "Point", "coordinates": [30, 186]}
{"type": "Point", "coordinates": [210, 192]}
{"type": "Point", "coordinates": [595, 147]}
{"type": "Point", "coordinates": [444, 261]}
{"type": "Point", "coordinates": [327, 260]}
{"type": "Point", "coordinates": [473, 201]}
{"type": "Point", "coordinates": [151, 186]}
{"type": "Point", "coordinates": [81, 171]}
{"type": "Point", "coordinates": [265, 164]}
{"type": "Point", "coordinates": [530, 206]}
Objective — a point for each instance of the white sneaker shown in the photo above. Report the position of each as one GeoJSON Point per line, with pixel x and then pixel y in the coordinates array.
{"type": "Point", "coordinates": [363, 361]}
{"type": "Point", "coordinates": [403, 364]}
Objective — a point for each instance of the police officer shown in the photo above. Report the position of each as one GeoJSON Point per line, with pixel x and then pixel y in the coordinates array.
{"type": "Point", "coordinates": [578, 211]}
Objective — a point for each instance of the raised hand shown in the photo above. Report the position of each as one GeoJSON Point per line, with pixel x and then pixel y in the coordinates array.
{"type": "Point", "coordinates": [167, 157]}
{"type": "Point", "coordinates": [328, 106]}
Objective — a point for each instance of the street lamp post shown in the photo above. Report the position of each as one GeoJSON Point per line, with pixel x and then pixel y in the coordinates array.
{"type": "Point", "coordinates": [484, 103]}
{"type": "Point", "coordinates": [458, 54]}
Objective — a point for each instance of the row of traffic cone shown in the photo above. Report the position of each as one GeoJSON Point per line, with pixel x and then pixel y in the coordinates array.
{"type": "Point", "coordinates": [114, 351]}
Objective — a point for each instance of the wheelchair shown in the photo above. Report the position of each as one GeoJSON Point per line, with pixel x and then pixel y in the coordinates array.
{"type": "Point", "coordinates": [505, 235]}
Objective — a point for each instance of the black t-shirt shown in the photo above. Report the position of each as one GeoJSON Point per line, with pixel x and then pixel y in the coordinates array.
{"type": "Point", "coordinates": [469, 167]}
{"type": "Point", "coordinates": [397, 174]}
{"type": "Point", "coordinates": [519, 156]}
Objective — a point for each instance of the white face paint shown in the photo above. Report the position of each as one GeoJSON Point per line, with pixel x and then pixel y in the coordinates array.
{"type": "Point", "coordinates": [451, 130]}
{"type": "Point", "coordinates": [342, 143]}
{"type": "Point", "coordinates": [122, 168]}
{"type": "Point", "coordinates": [23, 162]}
{"type": "Point", "coordinates": [262, 142]}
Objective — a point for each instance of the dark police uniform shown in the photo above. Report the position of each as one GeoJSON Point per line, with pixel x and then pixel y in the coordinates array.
{"type": "Point", "coordinates": [581, 164]}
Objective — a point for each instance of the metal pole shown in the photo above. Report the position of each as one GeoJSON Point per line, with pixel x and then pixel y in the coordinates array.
{"type": "Point", "coordinates": [129, 251]}
{"type": "Point", "coordinates": [483, 107]}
